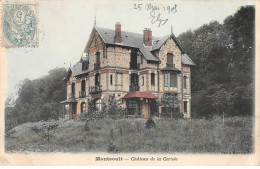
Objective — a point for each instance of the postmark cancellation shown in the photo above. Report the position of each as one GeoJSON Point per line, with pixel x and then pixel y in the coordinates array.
{"type": "Point", "coordinates": [20, 24]}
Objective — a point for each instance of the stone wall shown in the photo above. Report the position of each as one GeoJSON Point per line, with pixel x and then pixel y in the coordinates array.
{"type": "Point", "coordinates": [170, 47]}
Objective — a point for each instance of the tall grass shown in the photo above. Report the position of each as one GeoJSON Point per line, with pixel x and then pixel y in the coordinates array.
{"type": "Point", "coordinates": [130, 135]}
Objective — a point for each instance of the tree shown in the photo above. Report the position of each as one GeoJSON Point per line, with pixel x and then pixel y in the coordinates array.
{"type": "Point", "coordinates": [224, 71]}
{"type": "Point", "coordinates": [38, 99]}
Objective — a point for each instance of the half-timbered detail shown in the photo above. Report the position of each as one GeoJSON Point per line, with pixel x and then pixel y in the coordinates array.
{"type": "Point", "coordinates": [136, 68]}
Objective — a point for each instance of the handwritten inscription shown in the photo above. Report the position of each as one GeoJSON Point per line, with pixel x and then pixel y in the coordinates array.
{"type": "Point", "coordinates": [158, 13]}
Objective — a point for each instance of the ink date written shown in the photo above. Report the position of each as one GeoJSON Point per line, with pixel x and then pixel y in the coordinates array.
{"type": "Point", "coordinates": [156, 12]}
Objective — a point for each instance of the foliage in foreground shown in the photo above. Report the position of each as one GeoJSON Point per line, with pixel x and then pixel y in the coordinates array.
{"type": "Point", "coordinates": [131, 135]}
{"type": "Point", "coordinates": [38, 99]}
{"type": "Point", "coordinates": [112, 110]}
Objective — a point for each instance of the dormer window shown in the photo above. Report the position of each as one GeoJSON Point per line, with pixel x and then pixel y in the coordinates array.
{"type": "Point", "coordinates": [84, 65]}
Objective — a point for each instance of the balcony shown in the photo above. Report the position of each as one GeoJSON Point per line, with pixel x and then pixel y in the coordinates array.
{"type": "Point", "coordinates": [134, 66]}
{"type": "Point", "coordinates": [95, 89]}
{"type": "Point", "coordinates": [82, 94]}
{"type": "Point", "coordinates": [97, 66]}
{"type": "Point", "coordinates": [133, 88]}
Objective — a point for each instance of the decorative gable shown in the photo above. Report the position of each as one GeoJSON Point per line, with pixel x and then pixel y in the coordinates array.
{"type": "Point", "coordinates": [95, 42]}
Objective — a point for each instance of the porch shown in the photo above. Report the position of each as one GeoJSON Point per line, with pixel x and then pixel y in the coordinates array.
{"type": "Point", "coordinates": [69, 108]}
{"type": "Point", "coordinates": [141, 104]}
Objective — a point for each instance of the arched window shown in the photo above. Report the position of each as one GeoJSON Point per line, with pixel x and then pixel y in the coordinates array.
{"type": "Point", "coordinates": [83, 107]}
{"type": "Point", "coordinates": [170, 59]}
{"type": "Point", "coordinates": [185, 82]}
{"type": "Point", "coordinates": [73, 88]}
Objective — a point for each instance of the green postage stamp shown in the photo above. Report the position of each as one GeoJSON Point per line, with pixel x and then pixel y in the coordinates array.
{"type": "Point", "coordinates": [20, 24]}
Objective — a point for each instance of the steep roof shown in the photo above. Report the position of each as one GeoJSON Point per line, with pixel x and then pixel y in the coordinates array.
{"type": "Point", "coordinates": [129, 39]}
{"type": "Point", "coordinates": [77, 69]}
{"type": "Point", "coordinates": [186, 60]}
{"type": "Point", "coordinates": [135, 40]}
{"type": "Point", "coordinates": [158, 42]}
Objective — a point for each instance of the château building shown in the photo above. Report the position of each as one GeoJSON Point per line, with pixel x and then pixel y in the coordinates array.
{"type": "Point", "coordinates": [136, 68]}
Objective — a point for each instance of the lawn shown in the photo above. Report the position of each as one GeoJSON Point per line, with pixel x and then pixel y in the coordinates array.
{"type": "Point", "coordinates": [130, 135]}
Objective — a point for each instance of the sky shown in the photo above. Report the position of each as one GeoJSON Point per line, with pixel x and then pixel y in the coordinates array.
{"type": "Point", "coordinates": [64, 28]}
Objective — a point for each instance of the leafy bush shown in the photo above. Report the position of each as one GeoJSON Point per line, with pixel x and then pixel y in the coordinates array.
{"type": "Point", "coordinates": [45, 130]}
{"type": "Point", "coordinates": [170, 104]}
{"type": "Point", "coordinates": [113, 110]}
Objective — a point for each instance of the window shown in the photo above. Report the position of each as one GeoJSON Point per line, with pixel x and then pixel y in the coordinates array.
{"type": "Point", "coordinates": [185, 106]}
{"type": "Point", "coordinates": [173, 80]}
{"type": "Point", "coordinates": [185, 82]}
{"type": "Point", "coordinates": [73, 88]}
{"type": "Point", "coordinates": [142, 80]}
{"type": "Point", "coordinates": [97, 57]}
{"type": "Point", "coordinates": [111, 79]}
{"type": "Point", "coordinates": [133, 60]}
{"type": "Point", "coordinates": [84, 65]}
{"type": "Point", "coordinates": [132, 107]}
{"type": "Point", "coordinates": [98, 104]}
{"type": "Point", "coordinates": [104, 51]}
{"type": "Point", "coordinates": [152, 79]}
{"type": "Point", "coordinates": [97, 79]}
{"type": "Point", "coordinates": [170, 80]}
{"type": "Point", "coordinates": [83, 107]}
{"type": "Point", "coordinates": [169, 59]}
{"type": "Point", "coordinates": [83, 85]}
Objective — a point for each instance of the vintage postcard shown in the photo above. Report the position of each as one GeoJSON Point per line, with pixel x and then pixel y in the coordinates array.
{"type": "Point", "coordinates": [134, 82]}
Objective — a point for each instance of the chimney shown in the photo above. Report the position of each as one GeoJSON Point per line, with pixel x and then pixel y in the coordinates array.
{"type": "Point", "coordinates": [147, 37]}
{"type": "Point", "coordinates": [118, 37]}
